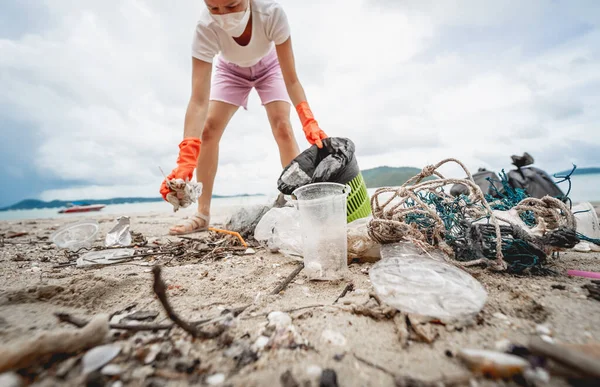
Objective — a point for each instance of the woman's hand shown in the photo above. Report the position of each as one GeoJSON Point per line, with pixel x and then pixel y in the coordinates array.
{"type": "Point", "coordinates": [314, 134]}
{"type": "Point", "coordinates": [189, 149]}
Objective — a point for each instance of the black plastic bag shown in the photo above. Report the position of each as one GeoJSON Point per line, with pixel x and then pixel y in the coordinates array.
{"type": "Point", "coordinates": [334, 163]}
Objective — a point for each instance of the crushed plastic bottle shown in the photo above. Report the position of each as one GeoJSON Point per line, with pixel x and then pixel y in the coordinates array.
{"type": "Point", "coordinates": [119, 235]}
{"type": "Point", "coordinates": [408, 279]}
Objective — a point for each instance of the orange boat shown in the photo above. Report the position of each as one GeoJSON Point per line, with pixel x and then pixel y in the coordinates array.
{"type": "Point", "coordinates": [81, 207]}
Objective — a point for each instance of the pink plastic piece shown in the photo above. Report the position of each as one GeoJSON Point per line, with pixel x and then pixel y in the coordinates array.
{"type": "Point", "coordinates": [586, 274]}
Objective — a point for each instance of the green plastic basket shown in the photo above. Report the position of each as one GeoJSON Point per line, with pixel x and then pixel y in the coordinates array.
{"type": "Point", "coordinates": [358, 202]}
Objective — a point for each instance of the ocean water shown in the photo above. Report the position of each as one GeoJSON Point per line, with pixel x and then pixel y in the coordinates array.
{"type": "Point", "coordinates": [585, 188]}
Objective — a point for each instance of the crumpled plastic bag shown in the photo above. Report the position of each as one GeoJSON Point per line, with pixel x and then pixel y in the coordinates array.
{"type": "Point", "coordinates": [280, 229]}
{"type": "Point", "coordinates": [119, 235]}
{"type": "Point", "coordinates": [360, 245]}
{"type": "Point", "coordinates": [183, 193]}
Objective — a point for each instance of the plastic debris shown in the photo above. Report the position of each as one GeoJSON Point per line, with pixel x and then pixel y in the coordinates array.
{"type": "Point", "coordinates": [98, 357]}
{"type": "Point", "coordinates": [105, 257]}
{"type": "Point", "coordinates": [586, 220]}
{"type": "Point", "coordinates": [183, 193]}
{"type": "Point", "coordinates": [543, 330]}
{"type": "Point", "coordinates": [77, 235]}
{"type": "Point", "coordinates": [360, 244]}
{"type": "Point", "coordinates": [279, 320]}
{"type": "Point", "coordinates": [492, 364]}
{"type": "Point", "coordinates": [323, 227]}
{"type": "Point", "coordinates": [314, 371]}
{"type": "Point", "coordinates": [280, 229]}
{"type": "Point", "coordinates": [407, 279]}
{"type": "Point", "coordinates": [584, 274]}
{"type": "Point", "coordinates": [120, 234]}
{"type": "Point", "coordinates": [245, 220]}
{"type": "Point", "coordinates": [216, 379]}
{"type": "Point", "coordinates": [281, 332]}
{"type": "Point", "coordinates": [112, 370]}
{"type": "Point", "coordinates": [10, 379]}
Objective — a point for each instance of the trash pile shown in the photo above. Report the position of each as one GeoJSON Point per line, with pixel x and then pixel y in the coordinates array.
{"type": "Point", "coordinates": [473, 228]}
{"type": "Point", "coordinates": [124, 246]}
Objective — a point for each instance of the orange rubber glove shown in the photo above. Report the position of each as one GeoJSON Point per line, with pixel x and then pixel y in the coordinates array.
{"type": "Point", "coordinates": [311, 129]}
{"type": "Point", "coordinates": [189, 149]}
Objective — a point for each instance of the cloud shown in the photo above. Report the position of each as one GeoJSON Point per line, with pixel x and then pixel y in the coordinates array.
{"type": "Point", "coordinates": [100, 89]}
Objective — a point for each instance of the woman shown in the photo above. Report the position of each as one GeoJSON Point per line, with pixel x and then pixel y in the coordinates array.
{"type": "Point", "coordinates": [253, 39]}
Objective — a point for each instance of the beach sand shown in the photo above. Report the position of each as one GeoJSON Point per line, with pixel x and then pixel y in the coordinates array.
{"type": "Point", "coordinates": [33, 290]}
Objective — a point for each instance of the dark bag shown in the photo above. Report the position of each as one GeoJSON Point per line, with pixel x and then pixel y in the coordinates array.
{"type": "Point", "coordinates": [480, 178]}
{"type": "Point", "coordinates": [334, 163]}
{"type": "Point", "coordinates": [535, 182]}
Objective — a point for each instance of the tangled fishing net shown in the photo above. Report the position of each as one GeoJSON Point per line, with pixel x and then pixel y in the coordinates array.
{"type": "Point", "coordinates": [509, 231]}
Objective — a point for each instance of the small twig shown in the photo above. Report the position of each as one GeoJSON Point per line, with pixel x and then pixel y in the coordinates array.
{"type": "Point", "coordinates": [67, 318]}
{"type": "Point", "coordinates": [80, 323]}
{"type": "Point", "coordinates": [349, 287]}
{"type": "Point", "coordinates": [373, 365]}
{"type": "Point", "coordinates": [224, 315]}
{"type": "Point", "coordinates": [289, 279]}
{"type": "Point", "coordinates": [192, 239]}
{"type": "Point", "coordinates": [375, 296]}
{"type": "Point", "coordinates": [142, 327]}
{"type": "Point", "coordinates": [161, 292]}
{"type": "Point", "coordinates": [128, 308]}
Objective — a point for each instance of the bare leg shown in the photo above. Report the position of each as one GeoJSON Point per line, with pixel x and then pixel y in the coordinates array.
{"type": "Point", "coordinates": [279, 118]}
{"type": "Point", "coordinates": [218, 117]}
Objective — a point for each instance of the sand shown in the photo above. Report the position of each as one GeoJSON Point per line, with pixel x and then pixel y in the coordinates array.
{"type": "Point", "coordinates": [33, 290]}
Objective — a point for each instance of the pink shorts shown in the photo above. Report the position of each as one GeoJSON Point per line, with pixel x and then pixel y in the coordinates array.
{"type": "Point", "coordinates": [232, 83]}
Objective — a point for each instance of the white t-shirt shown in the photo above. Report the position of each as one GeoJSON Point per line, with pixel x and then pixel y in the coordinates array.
{"type": "Point", "coordinates": [269, 27]}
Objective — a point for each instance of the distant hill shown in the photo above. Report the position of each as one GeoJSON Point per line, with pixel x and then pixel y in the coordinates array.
{"type": "Point", "coordinates": [30, 204]}
{"type": "Point", "coordinates": [388, 176]}
{"type": "Point", "coordinates": [581, 171]}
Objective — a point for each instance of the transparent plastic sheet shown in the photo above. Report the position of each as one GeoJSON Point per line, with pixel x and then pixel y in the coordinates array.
{"type": "Point", "coordinates": [105, 257]}
{"type": "Point", "coordinates": [408, 279]}
{"type": "Point", "coordinates": [280, 229]}
{"type": "Point", "coordinates": [75, 236]}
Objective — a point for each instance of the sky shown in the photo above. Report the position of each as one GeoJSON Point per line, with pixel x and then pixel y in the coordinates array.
{"type": "Point", "coordinates": [93, 93]}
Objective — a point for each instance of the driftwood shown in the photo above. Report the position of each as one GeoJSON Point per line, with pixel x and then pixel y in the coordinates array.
{"type": "Point", "coordinates": [160, 290]}
{"type": "Point", "coordinates": [80, 323]}
{"type": "Point", "coordinates": [36, 350]}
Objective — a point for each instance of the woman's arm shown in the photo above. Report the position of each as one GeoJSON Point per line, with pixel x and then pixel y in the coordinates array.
{"type": "Point", "coordinates": [198, 105]}
{"type": "Point", "coordinates": [195, 115]}
{"type": "Point", "coordinates": [311, 129]}
{"type": "Point", "coordinates": [285, 54]}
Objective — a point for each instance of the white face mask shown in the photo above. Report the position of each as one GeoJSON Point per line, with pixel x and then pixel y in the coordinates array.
{"type": "Point", "coordinates": [233, 23]}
